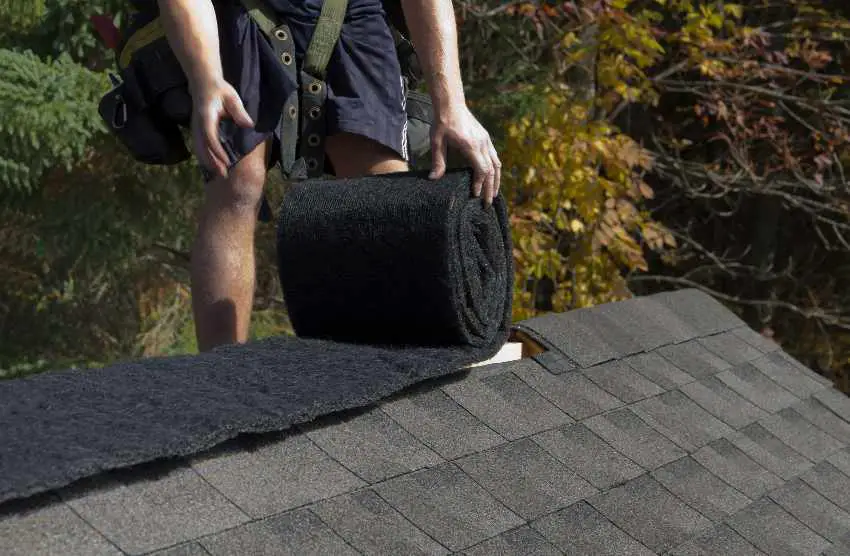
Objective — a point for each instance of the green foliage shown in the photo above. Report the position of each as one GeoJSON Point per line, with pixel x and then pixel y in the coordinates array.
{"type": "Point", "coordinates": [20, 14]}
{"type": "Point", "coordinates": [38, 99]}
{"type": "Point", "coordinates": [61, 27]}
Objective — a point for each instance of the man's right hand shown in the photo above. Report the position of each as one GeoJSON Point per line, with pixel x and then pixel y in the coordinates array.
{"type": "Point", "coordinates": [210, 104]}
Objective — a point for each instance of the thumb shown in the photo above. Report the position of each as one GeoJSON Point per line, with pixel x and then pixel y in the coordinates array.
{"type": "Point", "coordinates": [438, 156]}
{"type": "Point", "coordinates": [233, 105]}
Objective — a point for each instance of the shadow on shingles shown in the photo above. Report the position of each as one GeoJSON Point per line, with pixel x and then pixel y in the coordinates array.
{"type": "Point", "coordinates": [22, 507]}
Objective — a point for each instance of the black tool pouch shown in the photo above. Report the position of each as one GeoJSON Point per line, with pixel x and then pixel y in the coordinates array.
{"type": "Point", "coordinates": [420, 116]}
{"type": "Point", "coordinates": [147, 135]}
{"type": "Point", "coordinates": [147, 105]}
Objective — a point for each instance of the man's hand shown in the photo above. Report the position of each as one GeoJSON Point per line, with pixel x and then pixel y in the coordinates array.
{"type": "Point", "coordinates": [192, 32]}
{"type": "Point", "coordinates": [434, 35]}
{"type": "Point", "coordinates": [460, 129]}
{"type": "Point", "coordinates": [211, 104]}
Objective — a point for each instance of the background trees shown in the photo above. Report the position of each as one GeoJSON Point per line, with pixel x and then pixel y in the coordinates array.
{"type": "Point", "coordinates": [649, 144]}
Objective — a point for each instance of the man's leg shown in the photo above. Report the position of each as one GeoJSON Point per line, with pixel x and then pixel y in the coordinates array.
{"type": "Point", "coordinates": [223, 272]}
{"type": "Point", "coordinates": [355, 155]}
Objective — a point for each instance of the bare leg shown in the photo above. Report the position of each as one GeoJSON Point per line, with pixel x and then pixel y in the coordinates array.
{"type": "Point", "coordinates": [355, 155]}
{"type": "Point", "coordinates": [223, 271]}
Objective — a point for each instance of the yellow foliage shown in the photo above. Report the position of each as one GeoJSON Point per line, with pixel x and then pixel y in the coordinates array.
{"type": "Point", "coordinates": [579, 222]}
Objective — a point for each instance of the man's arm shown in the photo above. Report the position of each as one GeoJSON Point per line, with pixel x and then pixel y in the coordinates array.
{"type": "Point", "coordinates": [433, 31]}
{"type": "Point", "coordinates": [192, 31]}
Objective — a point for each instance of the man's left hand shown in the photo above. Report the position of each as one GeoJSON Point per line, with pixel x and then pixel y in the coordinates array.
{"type": "Point", "coordinates": [462, 130]}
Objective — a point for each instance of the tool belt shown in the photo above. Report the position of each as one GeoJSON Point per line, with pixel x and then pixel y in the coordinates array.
{"type": "Point", "coordinates": [149, 100]}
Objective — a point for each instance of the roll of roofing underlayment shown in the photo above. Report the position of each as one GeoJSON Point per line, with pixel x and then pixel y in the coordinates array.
{"type": "Point", "coordinates": [396, 259]}
{"type": "Point", "coordinates": [390, 281]}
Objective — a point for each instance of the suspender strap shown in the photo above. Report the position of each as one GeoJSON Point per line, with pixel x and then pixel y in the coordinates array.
{"type": "Point", "coordinates": [302, 126]}
{"type": "Point", "coordinates": [325, 36]}
{"type": "Point", "coordinates": [262, 15]}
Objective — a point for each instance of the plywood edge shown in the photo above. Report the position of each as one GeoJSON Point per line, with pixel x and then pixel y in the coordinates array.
{"type": "Point", "coordinates": [530, 347]}
{"type": "Point", "coordinates": [511, 351]}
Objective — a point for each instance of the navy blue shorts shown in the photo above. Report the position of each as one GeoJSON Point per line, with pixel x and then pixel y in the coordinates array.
{"type": "Point", "coordinates": [364, 85]}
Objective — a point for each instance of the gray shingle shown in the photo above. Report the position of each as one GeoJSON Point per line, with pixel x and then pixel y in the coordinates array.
{"type": "Point", "coordinates": [819, 415]}
{"type": "Point", "coordinates": [692, 358]}
{"type": "Point", "coordinates": [818, 513]}
{"type": "Point", "coordinates": [841, 460]}
{"type": "Point", "coordinates": [650, 514]}
{"type": "Point", "coordinates": [372, 526]}
{"type": "Point", "coordinates": [523, 541]}
{"type": "Point", "coordinates": [790, 427]}
{"type": "Point", "coordinates": [649, 323]}
{"type": "Point", "coordinates": [621, 339]}
{"type": "Point", "coordinates": [156, 510]}
{"type": "Point", "coordinates": [794, 362]}
{"type": "Point", "coordinates": [838, 402]}
{"type": "Point", "coordinates": [681, 420]}
{"type": "Point", "coordinates": [441, 423]}
{"type": "Point", "coordinates": [507, 405]}
{"type": "Point", "coordinates": [701, 490]}
{"type": "Point", "coordinates": [735, 467]}
{"type": "Point", "coordinates": [830, 482]}
{"type": "Point", "coordinates": [774, 531]}
{"type": "Point", "coordinates": [185, 549]}
{"type": "Point", "coordinates": [371, 445]}
{"type": "Point", "coordinates": [449, 506]}
{"type": "Point", "coordinates": [755, 386]}
{"type": "Point", "coordinates": [554, 362]}
{"type": "Point", "coordinates": [525, 478]}
{"type": "Point", "coordinates": [590, 456]}
{"type": "Point", "coordinates": [678, 328]}
{"type": "Point", "coordinates": [770, 452]}
{"type": "Point", "coordinates": [758, 341]}
{"type": "Point", "coordinates": [580, 529]}
{"type": "Point", "coordinates": [572, 392]}
{"type": "Point", "coordinates": [787, 375]}
{"type": "Point", "coordinates": [720, 541]}
{"type": "Point", "coordinates": [51, 528]}
{"type": "Point", "coordinates": [622, 381]}
{"type": "Point", "coordinates": [701, 311]}
{"type": "Point", "coordinates": [571, 334]}
{"type": "Point", "coordinates": [628, 434]}
{"type": "Point", "coordinates": [842, 549]}
{"type": "Point", "coordinates": [659, 370]}
{"type": "Point", "coordinates": [276, 476]}
{"type": "Point", "coordinates": [295, 533]}
{"type": "Point", "coordinates": [730, 347]}
{"type": "Point", "coordinates": [724, 403]}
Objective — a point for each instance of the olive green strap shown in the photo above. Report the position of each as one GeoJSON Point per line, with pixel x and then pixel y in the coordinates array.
{"type": "Point", "coordinates": [261, 14]}
{"type": "Point", "coordinates": [325, 36]}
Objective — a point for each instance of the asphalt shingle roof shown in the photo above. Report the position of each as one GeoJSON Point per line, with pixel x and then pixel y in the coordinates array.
{"type": "Point", "coordinates": [656, 425]}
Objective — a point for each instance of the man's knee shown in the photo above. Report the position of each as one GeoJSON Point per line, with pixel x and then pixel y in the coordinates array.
{"type": "Point", "coordinates": [242, 190]}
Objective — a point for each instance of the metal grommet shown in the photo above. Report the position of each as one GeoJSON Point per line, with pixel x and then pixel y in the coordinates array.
{"type": "Point", "coordinates": [293, 112]}
{"type": "Point", "coordinates": [315, 87]}
{"type": "Point", "coordinates": [313, 140]}
{"type": "Point", "coordinates": [286, 58]}
{"type": "Point", "coordinates": [281, 35]}
{"type": "Point", "coordinates": [312, 163]}
{"type": "Point", "coordinates": [315, 112]}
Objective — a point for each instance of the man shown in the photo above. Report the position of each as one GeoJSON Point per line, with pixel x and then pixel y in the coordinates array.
{"type": "Point", "coordinates": [237, 88]}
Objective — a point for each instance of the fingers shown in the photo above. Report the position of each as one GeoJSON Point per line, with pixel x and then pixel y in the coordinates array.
{"type": "Point", "coordinates": [482, 173]}
{"type": "Point", "coordinates": [488, 171]}
{"type": "Point", "coordinates": [438, 155]}
{"type": "Point", "coordinates": [212, 145]}
{"type": "Point", "coordinates": [497, 170]}
{"type": "Point", "coordinates": [234, 107]}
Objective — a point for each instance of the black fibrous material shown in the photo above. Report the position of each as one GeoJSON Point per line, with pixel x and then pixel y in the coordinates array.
{"type": "Point", "coordinates": [58, 427]}
{"type": "Point", "coordinates": [396, 259]}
